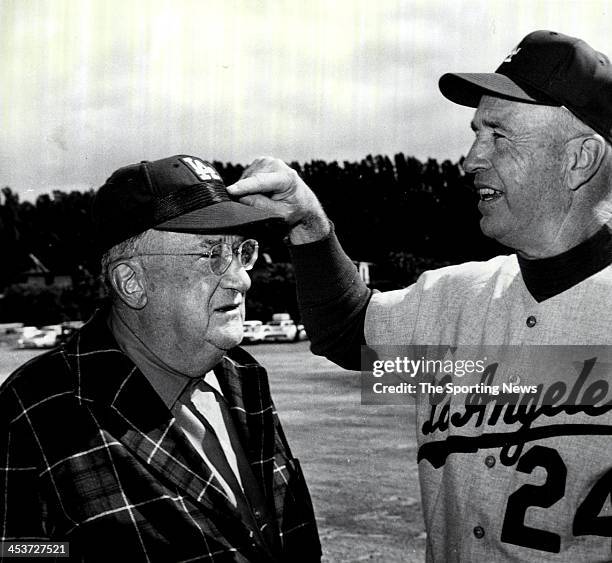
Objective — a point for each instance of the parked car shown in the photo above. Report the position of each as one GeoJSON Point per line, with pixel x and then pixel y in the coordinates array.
{"type": "Point", "coordinates": [10, 328]}
{"type": "Point", "coordinates": [57, 329]}
{"type": "Point", "coordinates": [301, 333]}
{"type": "Point", "coordinates": [283, 331]}
{"type": "Point", "coordinates": [253, 331]}
{"type": "Point", "coordinates": [48, 336]}
{"type": "Point", "coordinates": [44, 338]}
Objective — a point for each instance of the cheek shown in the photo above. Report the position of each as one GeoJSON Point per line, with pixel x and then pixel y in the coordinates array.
{"type": "Point", "coordinates": [199, 296]}
{"type": "Point", "coordinates": [160, 281]}
{"type": "Point", "coordinates": [519, 176]}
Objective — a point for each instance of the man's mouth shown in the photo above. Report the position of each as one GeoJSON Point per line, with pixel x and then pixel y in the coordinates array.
{"type": "Point", "coordinates": [228, 307]}
{"type": "Point", "coordinates": [488, 194]}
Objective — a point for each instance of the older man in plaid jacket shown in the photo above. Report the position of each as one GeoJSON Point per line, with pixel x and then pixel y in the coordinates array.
{"type": "Point", "coordinates": [150, 436]}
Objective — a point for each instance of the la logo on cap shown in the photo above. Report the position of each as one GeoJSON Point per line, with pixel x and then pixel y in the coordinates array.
{"type": "Point", "coordinates": [201, 169]}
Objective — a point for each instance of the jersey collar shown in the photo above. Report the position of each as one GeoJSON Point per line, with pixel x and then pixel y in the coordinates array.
{"type": "Point", "coordinates": [547, 277]}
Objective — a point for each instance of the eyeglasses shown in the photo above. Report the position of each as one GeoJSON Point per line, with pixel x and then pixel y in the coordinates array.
{"type": "Point", "coordinates": [220, 255]}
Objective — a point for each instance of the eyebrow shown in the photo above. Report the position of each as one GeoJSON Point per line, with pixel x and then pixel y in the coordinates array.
{"type": "Point", "coordinates": [490, 123]}
{"type": "Point", "coordinates": [211, 242]}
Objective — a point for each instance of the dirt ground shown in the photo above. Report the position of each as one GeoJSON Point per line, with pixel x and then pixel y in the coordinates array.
{"type": "Point", "coordinates": [359, 461]}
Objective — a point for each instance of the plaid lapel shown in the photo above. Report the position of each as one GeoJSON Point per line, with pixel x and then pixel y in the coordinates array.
{"type": "Point", "coordinates": [245, 385]}
{"type": "Point", "coordinates": [127, 405]}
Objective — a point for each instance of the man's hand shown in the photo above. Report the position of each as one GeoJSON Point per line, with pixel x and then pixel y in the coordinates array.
{"type": "Point", "coordinates": [269, 184]}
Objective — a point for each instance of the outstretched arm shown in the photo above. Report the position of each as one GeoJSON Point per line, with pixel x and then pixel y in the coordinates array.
{"type": "Point", "coordinates": [332, 299]}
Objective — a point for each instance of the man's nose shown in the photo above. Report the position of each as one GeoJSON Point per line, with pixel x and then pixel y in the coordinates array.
{"type": "Point", "coordinates": [236, 277]}
{"type": "Point", "coordinates": [476, 159]}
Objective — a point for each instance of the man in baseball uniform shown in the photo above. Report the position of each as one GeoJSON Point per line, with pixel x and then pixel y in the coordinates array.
{"type": "Point", "coordinates": [497, 485]}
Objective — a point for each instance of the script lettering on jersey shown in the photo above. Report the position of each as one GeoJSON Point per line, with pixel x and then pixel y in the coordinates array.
{"type": "Point", "coordinates": [585, 395]}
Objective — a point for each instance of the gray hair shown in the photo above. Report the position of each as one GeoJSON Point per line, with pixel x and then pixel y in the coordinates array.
{"type": "Point", "coordinates": [124, 249]}
{"type": "Point", "coordinates": [571, 125]}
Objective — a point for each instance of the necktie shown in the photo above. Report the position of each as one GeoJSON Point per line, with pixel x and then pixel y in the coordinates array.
{"type": "Point", "coordinates": [216, 442]}
{"type": "Point", "coordinates": [221, 447]}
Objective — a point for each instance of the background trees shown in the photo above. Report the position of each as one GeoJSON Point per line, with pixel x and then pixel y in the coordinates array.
{"type": "Point", "coordinates": [402, 215]}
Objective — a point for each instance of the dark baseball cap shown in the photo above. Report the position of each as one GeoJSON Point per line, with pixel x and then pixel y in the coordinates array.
{"type": "Point", "coordinates": [181, 193]}
{"type": "Point", "coordinates": [546, 68]}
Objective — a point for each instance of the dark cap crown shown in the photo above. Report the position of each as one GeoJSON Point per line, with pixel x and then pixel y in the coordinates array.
{"type": "Point", "coordinates": [547, 68]}
{"type": "Point", "coordinates": [181, 193]}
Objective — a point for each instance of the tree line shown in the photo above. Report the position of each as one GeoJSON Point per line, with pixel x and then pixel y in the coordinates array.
{"type": "Point", "coordinates": [401, 215]}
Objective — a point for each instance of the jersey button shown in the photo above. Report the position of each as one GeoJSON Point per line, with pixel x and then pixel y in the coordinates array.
{"type": "Point", "coordinates": [514, 379]}
{"type": "Point", "coordinates": [531, 321]}
{"type": "Point", "coordinates": [479, 532]}
{"type": "Point", "coordinates": [490, 461]}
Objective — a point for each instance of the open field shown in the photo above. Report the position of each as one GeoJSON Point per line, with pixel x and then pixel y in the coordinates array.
{"type": "Point", "coordinates": [360, 461]}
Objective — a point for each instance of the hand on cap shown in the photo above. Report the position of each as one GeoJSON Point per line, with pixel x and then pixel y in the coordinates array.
{"type": "Point", "coordinates": [269, 184]}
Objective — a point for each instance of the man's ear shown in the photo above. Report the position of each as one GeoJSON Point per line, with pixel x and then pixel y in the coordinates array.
{"type": "Point", "coordinates": [586, 155]}
{"type": "Point", "coordinates": [128, 280]}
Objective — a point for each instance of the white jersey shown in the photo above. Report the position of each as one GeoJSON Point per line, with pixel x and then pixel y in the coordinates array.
{"type": "Point", "coordinates": [498, 489]}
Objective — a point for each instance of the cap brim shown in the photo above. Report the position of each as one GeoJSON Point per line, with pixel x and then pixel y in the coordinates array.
{"type": "Point", "coordinates": [466, 89]}
{"type": "Point", "coordinates": [223, 217]}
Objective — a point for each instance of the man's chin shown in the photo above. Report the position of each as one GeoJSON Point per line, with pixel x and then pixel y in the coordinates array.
{"type": "Point", "coordinates": [491, 229]}
{"type": "Point", "coordinates": [227, 341]}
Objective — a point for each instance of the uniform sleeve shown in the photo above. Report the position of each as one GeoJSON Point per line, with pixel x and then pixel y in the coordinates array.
{"type": "Point", "coordinates": [21, 509]}
{"type": "Point", "coordinates": [392, 315]}
{"type": "Point", "coordinates": [333, 300]}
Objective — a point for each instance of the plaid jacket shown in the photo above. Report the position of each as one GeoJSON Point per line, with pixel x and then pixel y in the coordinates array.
{"type": "Point", "coordinates": [90, 454]}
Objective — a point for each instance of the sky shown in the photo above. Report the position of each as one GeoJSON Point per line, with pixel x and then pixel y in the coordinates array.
{"type": "Point", "coordinates": [87, 86]}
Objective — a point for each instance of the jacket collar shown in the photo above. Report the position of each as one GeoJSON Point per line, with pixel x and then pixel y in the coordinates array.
{"type": "Point", "coordinates": [105, 375]}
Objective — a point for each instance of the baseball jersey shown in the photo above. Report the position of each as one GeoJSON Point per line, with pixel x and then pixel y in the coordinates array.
{"type": "Point", "coordinates": [495, 486]}
{"type": "Point", "coordinates": [545, 496]}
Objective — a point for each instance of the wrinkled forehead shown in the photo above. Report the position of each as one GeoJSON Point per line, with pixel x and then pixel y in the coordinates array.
{"type": "Point", "coordinates": [494, 111]}
{"type": "Point", "coordinates": [187, 242]}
